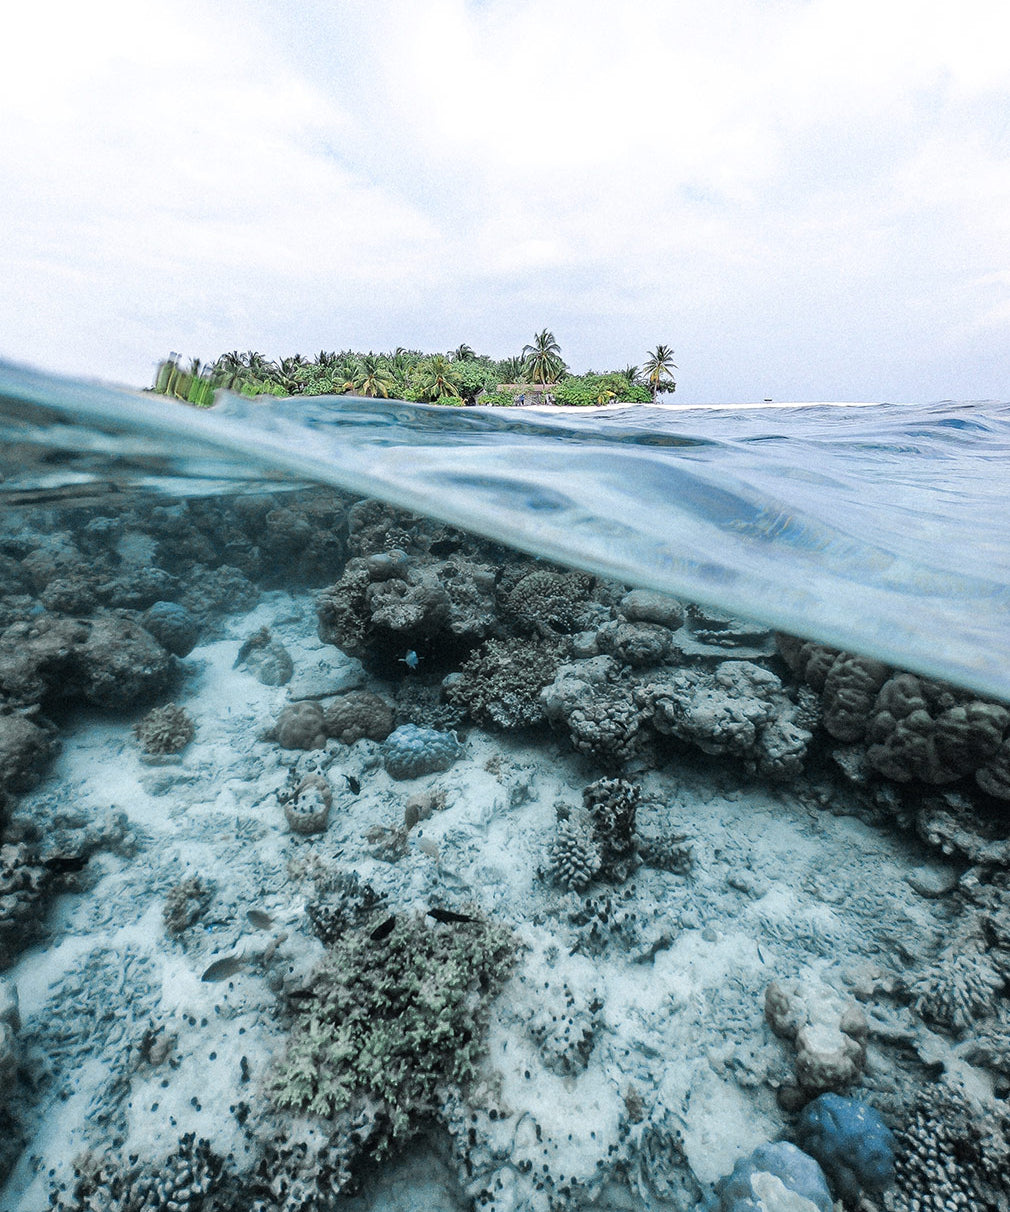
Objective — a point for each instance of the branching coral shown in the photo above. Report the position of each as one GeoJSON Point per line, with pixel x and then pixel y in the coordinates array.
{"type": "Point", "coordinates": [398, 1012]}
{"type": "Point", "coordinates": [573, 857]}
{"type": "Point", "coordinates": [500, 684]}
{"type": "Point", "coordinates": [167, 729]}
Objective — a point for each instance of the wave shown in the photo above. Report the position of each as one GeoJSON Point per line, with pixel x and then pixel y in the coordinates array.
{"type": "Point", "coordinates": [882, 529]}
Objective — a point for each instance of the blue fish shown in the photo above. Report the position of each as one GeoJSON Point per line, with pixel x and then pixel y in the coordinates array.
{"type": "Point", "coordinates": [411, 660]}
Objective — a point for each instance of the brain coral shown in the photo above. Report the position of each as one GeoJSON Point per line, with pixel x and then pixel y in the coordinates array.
{"type": "Point", "coordinates": [357, 715]}
{"type": "Point", "coordinates": [409, 751]}
{"type": "Point", "coordinates": [301, 726]}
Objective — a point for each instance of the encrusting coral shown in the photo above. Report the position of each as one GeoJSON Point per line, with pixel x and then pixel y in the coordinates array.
{"type": "Point", "coordinates": [501, 682]}
{"type": "Point", "coordinates": [398, 1013]}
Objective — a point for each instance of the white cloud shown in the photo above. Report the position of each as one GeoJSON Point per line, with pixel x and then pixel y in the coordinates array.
{"type": "Point", "coordinates": [766, 185]}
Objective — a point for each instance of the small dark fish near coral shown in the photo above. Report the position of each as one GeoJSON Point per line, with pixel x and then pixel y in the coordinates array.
{"type": "Point", "coordinates": [259, 919]}
{"type": "Point", "coordinates": [384, 930]}
{"type": "Point", "coordinates": [447, 916]}
{"type": "Point", "coordinates": [221, 969]}
{"type": "Point", "coordinates": [353, 784]}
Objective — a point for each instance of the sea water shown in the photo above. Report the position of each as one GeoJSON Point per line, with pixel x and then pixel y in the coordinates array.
{"type": "Point", "coordinates": [774, 916]}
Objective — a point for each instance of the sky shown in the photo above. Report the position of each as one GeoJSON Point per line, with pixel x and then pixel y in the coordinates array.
{"type": "Point", "coordinates": [806, 199]}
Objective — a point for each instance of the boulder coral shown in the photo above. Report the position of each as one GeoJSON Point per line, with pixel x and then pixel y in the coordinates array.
{"type": "Point", "coordinates": [410, 752]}
{"type": "Point", "coordinates": [774, 1178]}
{"type": "Point", "coordinates": [358, 715]}
{"type": "Point", "coordinates": [915, 729]}
{"type": "Point", "coordinates": [739, 710]}
{"type": "Point", "coordinates": [300, 726]}
{"type": "Point", "coordinates": [850, 1142]}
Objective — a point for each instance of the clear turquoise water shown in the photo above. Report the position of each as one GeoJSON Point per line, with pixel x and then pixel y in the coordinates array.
{"type": "Point", "coordinates": [881, 529]}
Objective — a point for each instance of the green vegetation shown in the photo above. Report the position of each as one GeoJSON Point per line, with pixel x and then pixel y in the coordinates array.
{"type": "Point", "coordinates": [461, 376]}
{"type": "Point", "coordinates": [398, 1012]}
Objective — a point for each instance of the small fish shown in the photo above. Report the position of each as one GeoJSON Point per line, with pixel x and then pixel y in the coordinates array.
{"type": "Point", "coordinates": [760, 956]}
{"type": "Point", "coordinates": [447, 916]}
{"type": "Point", "coordinates": [259, 919]}
{"type": "Point", "coordinates": [411, 660]}
{"type": "Point", "coordinates": [383, 931]}
{"type": "Point", "coordinates": [221, 969]}
{"type": "Point", "coordinates": [353, 784]}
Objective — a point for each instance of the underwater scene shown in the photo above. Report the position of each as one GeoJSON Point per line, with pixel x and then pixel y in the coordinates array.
{"type": "Point", "coordinates": [413, 808]}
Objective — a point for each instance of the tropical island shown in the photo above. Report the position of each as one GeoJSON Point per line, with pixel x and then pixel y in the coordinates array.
{"type": "Point", "coordinates": [539, 375]}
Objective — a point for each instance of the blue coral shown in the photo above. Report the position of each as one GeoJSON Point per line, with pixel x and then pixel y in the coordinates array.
{"type": "Point", "coordinates": [410, 751]}
{"type": "Point", "coordinates": [852, 1143]}
{"type": "Point", "coordinates": [779, 1168]}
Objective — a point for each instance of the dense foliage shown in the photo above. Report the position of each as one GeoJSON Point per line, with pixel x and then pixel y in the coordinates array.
{"type": "Point", "coordinates": [458, 377]}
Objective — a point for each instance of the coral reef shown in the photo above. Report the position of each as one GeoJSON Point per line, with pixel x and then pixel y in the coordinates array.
{"type": "Point", "coordinates": [398, 1013]}
{"type": "Point", "coordinates": [850, 1142]}
{"type": "Point", "coordinates": [830, 1036]}
{"type": "Point", "coordinates": [914, 728]}
{"type": "Point", "coordinates": [409, 751]}
{"type": "Point", "coordinates": [957, 991]}
{"type": "Point", "coordinates": [167, 729]}
{"type": "Point", "coordinates": [612, 805]}
{"type": "Point", "coordinates": [774, 1178]}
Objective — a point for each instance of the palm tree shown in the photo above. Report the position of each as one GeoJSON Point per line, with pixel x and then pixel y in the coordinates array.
{"type": "Point", "coordinates": [658, 365]}
{"type": "Point", "coordinates": [232, 369]}
{"type": "Point", "coordinates": [633, 374]}
{"type": "Point", "coordinates": [373, 377]}
{"type": "Point", "coordinates": [511, 369]}
{"type": "Point", "coordinates": [463, 353]}
{"type": "Point", "coordinates": [544, 363]}
{"type": "Point", "coordinates": [435, 378]}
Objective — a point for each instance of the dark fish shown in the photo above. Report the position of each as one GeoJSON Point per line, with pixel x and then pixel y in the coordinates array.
{"type": "Point", "coordinates": [383, 931]}
{"type": "Point", "coordinates": [301, 995]}
{"type": "Point", "coordinates": [447, 915]}
{"type": "Point", "coordinates": [259, 919]}
{"type": "Point", "coordinates": [353, 783]}
{"type": "Point", "coordinates": [63, 865]}
{"type": "Point", "coordinates": [221, 969]}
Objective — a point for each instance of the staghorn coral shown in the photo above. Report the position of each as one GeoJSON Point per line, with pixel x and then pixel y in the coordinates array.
{"type": "Point", "coordinates": [957, 991]}
{"type": "Point", "coordinates": [501, 682]}
{"type": "Point", "coordinates": [573, 857]}
{"type": "Point", "coordinates": [164, 730]}
{"type": "Point", "coordinates": [358, 715]}
{"type": "Point", "coordinates": [410, 752]}
{"type": "Point", "coordinates": [398, 1015]}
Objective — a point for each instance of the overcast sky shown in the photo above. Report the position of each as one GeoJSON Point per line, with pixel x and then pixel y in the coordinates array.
{"type": "Point", "coordinates": [807, 199]}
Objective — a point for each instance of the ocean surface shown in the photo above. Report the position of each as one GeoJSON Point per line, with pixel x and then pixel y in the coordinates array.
{"type": "Point", "coordinates": [881, 529]}
{"type": "Point", "coordinates": [359, 852]}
